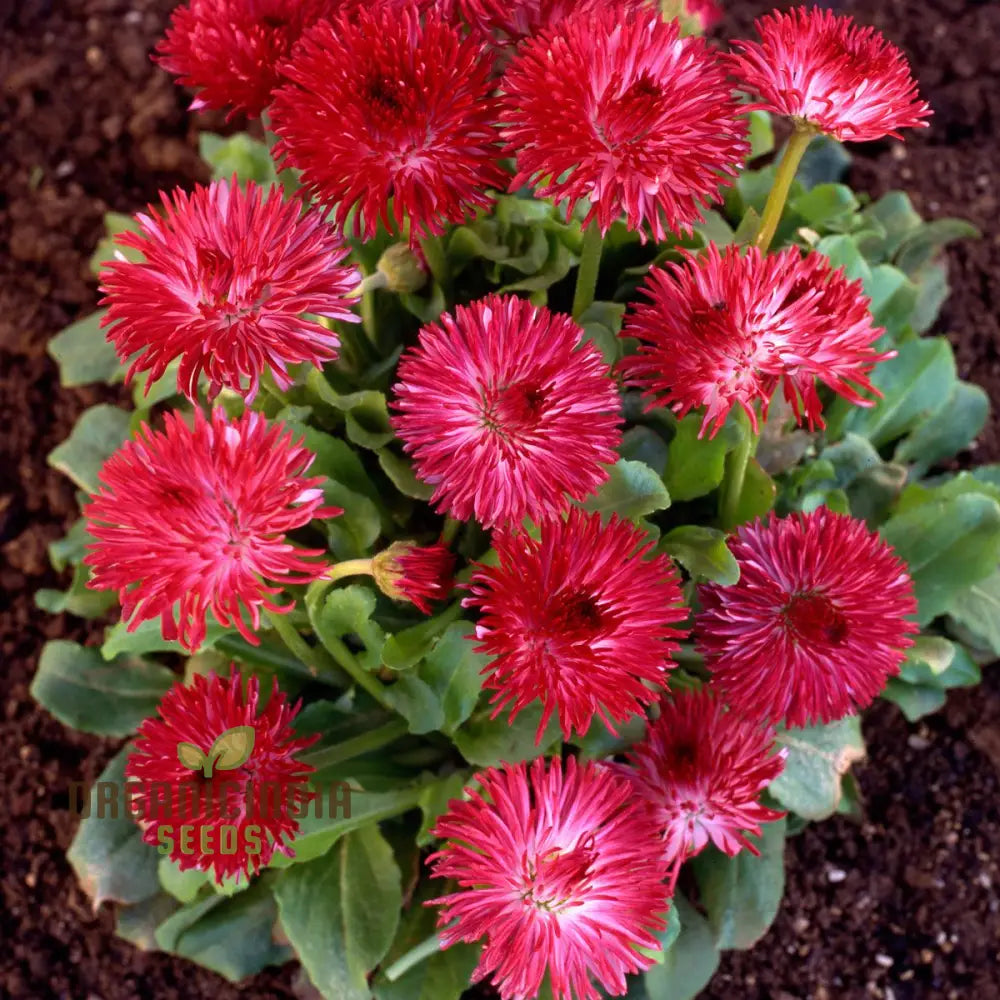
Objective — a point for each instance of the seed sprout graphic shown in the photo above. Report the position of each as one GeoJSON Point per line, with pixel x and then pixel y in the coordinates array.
{"type": "Point", "coordinates": [228, 752]}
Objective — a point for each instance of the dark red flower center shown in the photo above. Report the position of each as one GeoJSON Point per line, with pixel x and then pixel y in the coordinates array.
{"type": "Point", "coordinates": [576, 611]}
{"type": "Point", "coordinates": [514, 409]}
{"type": "Point", "coordinates": [812, 617]}
{"type": "Point", "coordinates": [625, 117]}
{"type": "Point", "coordinates": [223, 291]}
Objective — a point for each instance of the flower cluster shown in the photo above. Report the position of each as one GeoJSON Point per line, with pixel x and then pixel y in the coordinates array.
{"type": "Point", "coordinates": [404, 118]}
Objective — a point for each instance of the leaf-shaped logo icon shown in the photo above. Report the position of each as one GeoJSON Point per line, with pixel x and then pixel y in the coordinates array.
{"type": "Point", "coordinates": [232, 748]}
{"type": "Point", "coordinates": [190, 756]}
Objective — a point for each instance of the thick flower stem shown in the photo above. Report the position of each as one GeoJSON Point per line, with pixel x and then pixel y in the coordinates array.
{"type": "Point", "coordinates": [437, 261]}
{"type": "Point", "coordinates": [375, 739]}
{"type": "Point", "coordinates": [350, 567]}
{"type": "Point", "coordinates": [315, 658]}
{"type": "Point", "coordinates": [590, 266]}
{"type": "Point", "coordinates": [787, 168]}
{"type": "Point", "coordinates": [736, 472]}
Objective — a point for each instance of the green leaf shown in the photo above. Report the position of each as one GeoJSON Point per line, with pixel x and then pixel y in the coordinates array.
{"type": "Point", "coordinates": [642, 444]}
{"type": "Point", "coordinates": [137, 923]}
{"type": "Point", "coordinates": [914, 700]}
{"type": "Point", "coordinates": [703, 553]}
{"type": "Point", "coordinates": [249, 159]}
{"type": "Point", "coordinates": [844, 253]}
{"type": "Point", "coordinates": [442, 692]}
{"type": "Point", "coordinates": [348, 611]}
{"type": "Point", "coordinates": [818, 758]}
{"type": "Point", "coordinates": [366, 416]}
{"type": "Point", "coordinates": [758, 496]}
{"type": "Point", "coordinates": [691, 961]}
{"type": "Point", "coordinates": [84, 355]}
{"type": "Point", "coordinates": [233, 936]}
{"type": "Point", "coordinates": [401, 474]}
{"type": "Point", "coordinates": [742, 894]}
{"type": "Point", "coordinates": [695, 466]}
{"type": "Point", "coordinates": [825, 162]}
{"type": "Point", "coordinates": [919, 246]}
{"type": "Point", "coordinates": [826, 206]}
{"type": "Point", "coordinates": [108, 854]}
{"type": "Point", "coordinates": [947, 431]}
{"type": "Point", "coordinates": [948, 545]}
{"type": "Point", "coordinates": [78, 599]}
{"type": "Point", "coordinates": [85, 692]}
{"type": "Point", "coordinates": [115, 224]}
{"type": "Point", "coordinates": [184, 886]}
{"type": "Point", "coordinates": [435, 800]}
{"type": "Point", "coordinates": [914, 385]}
{"type": "Point", "coordinates": [977, 608]}
{"type": "Point", "coordinates": [98, 434]}
{"type": "Point", "coordinates": [341, 911]}
{"type": "Point", "coordinates": [761, 134]}
{"type": "Point", "coordinates": [632, 490]}
{"type": "Point", "coordinates": [895, 215]}
{"type": "Point", "coordinates": [147, 637]}
{"type": "Point", "coordinates": [487, 742]}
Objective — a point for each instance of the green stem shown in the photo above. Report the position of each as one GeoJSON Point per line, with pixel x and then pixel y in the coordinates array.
{"type": "Point", "coordinates": [349, 567]}
{"type": "Point", "coordinates": [413, 957]}
{"type": "Point", "coordinates": [318, 662]}
{"type": "Point", "coordinates": [736, 472]}
{"type": "Point", "coordinates": [450, 530]}
{"type": "Point", "coordinates": [590, 266]}
{"type": "Point", "coordinates": [787, 168]}
{"type": "Point", "coordinates": [365, 743]}
{"type": "Point", "coordinates": [437, 261]}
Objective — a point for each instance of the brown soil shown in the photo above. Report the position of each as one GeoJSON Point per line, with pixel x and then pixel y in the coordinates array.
{"type": "Point", "coordinates": [87, 125]}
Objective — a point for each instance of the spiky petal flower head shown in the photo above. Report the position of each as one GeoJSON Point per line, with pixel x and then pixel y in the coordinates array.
{"type": "Point", "coordinates": [559, 871]}
{"type": "Point", "coordinates": [824, 70]}
{"type": "Point", "coordinates": [192, 520]}
{"type": "Point", "coordinates": [420, 574]}
{"type": "Point", "coordinates": [818, 622]}
{"type": "Point", "coordinates": [702, 768]}
{"type": "Point", "coordinates": [390, 117]}
{"type": "Point", "coordinates": [725, 329]}
{"type": "Point", "coordinates": [618, 109]}
{"type": "Point", "coordinates": [230, 51]}
{"type": "Point", "coordinates": [225, 819]}
{"type": "Point", "coordinates": [226, 280]}
{"type": "Point", "coordinates": [506, 410]}
{"type": "Point", "coordinates": [581, 618]}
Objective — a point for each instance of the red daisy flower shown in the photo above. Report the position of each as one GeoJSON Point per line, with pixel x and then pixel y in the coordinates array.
{"type": "Point", "coordinates": [725, 329]}
{"type": "Point", "coordinates": [506, 410]}
{"type": "Point", "coordinates": [420, 574]}
{"type": "Point", "coordinates": [702, 769]}
{"type": "Point", "coordinates": [215, 816]}
{"type": "Point", "coordinates": [227, 278]}
{"type": "Point", "coordinates": [559, 873]}
{"type": "Point", "coordinates": [579, 619]}
{"type": "Point", "coordinates": [231, 50]}
{"type": "Point", "coordinates": [390, 118]}
{"type": "Point", "coordinates": [620, 110]}
{"type": "Point", "coordinates": [824, 69]}
{"type": "Point", "coordinates": [815, 626]}
{"type": "Point", "coordinates": [191, 520]}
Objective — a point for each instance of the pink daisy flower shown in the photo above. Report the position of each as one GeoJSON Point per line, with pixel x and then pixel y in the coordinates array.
{"type": "Point", "coordinates": [191, 520]}
{"type": "Point", "coordinates": [580, 619]}
{"type": "Point", "coordinates": [390, 118]}
{"type": "Point", "coordinates": [506, 411]}
{"type": "Point", "coordinates": [559, 873]}
{"type": "Point", "coordinates": [420, 574]}
{"type": "Point", "coordinates": [618, 109]}
{"type": "Point", "coordinates": [230, 50]}
{"type": "Point", "coordinates": [702, 768]}
{"type": "Point", "coordinates": [823, 69]}
{"type": "Point", "coordinates": [723, 329]}
{"type": "Point", "coordinates": [817, 623]}
{"type": "Point", "coordinates": [227, 279]}
{"type": "Point", "coordinates": [231, 822]}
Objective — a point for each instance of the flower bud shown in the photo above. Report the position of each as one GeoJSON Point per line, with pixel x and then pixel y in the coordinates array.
{"type": "Point", "coordinates": [406, 571]}
{"type": "Point", "coordinates": [402, 269]}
